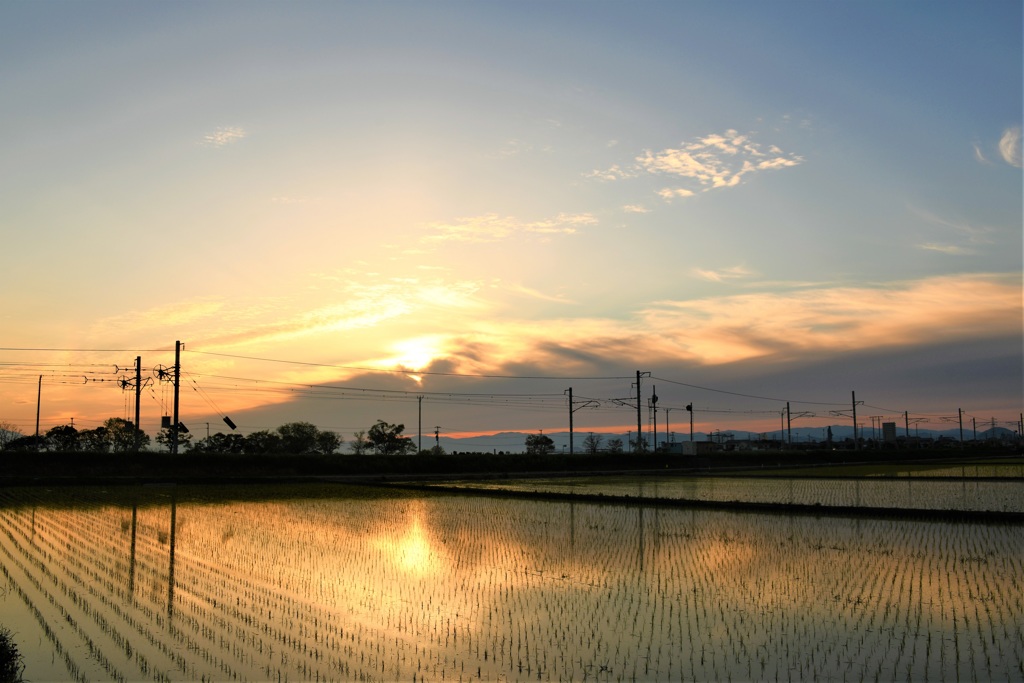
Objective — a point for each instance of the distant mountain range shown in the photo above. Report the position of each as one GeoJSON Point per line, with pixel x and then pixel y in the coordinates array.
{"type": "Point", "coordinates": [515, 442]}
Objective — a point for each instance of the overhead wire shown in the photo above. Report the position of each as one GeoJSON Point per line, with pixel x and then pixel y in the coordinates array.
{"type": "Point", "coordinates": [406, 371]}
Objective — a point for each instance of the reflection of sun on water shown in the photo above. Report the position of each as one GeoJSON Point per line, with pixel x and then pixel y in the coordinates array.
{"type": "Point", "coordinates": [412, 551]}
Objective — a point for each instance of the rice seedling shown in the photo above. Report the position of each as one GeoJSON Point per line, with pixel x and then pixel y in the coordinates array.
{"type": "Point", "coordinates": [353, 585]}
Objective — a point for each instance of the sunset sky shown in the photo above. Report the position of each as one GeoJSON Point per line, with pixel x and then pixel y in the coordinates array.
{"type": "Point", "coordinates": [753, 202]}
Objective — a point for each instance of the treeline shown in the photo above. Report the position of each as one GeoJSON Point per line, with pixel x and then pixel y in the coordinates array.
{"type": "Point", "coordinates": [118, 435]}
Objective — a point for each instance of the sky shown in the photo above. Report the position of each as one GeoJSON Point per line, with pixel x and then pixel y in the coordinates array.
{"type": "Point", "coordinates": [340, 207]}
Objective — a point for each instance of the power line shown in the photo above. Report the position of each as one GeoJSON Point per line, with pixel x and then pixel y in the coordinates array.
{"type": "Point", "coordinates": [402, 372]}
{"type": "Point", "coordinates": [14, 348]}
{"type": "Point", "coordinates": [735, 393]}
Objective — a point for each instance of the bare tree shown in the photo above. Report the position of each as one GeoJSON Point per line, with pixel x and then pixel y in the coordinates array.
{"type": "Point", "coordinates": [8, 433]}
{"type": "Point", "coordinates": [592, 444]}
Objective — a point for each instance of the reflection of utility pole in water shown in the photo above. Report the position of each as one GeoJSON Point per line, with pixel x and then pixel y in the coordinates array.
{"type": "Point", "coordinates": [131, 560]}
{"type": "Point", "coordinates": [641, 536]}
{"type": "Point", "coordinates": [572, 525]}
{"type": "Point", "coordinates": [170, 571]}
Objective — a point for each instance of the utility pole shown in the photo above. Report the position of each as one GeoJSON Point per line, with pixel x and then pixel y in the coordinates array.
{"type": "Point", "coordinates": [138, 393]}
{"type": "Point", "coordinates": [960, 414]}
{"type": "Point", "coordinates": [689, 409]}
{"type": "Point", "coordinates": [789, 428]}
{"type": "Point", "coordinates": [856, 441]}
{"type": "Point", "coordinates": [571, 440]}
{"type": "Point", "coordinates": [177, 386]}
{"type": "Point", "coordinates": [639, 423]}
{"type": "Point", "coordinates": [419, 426]}
{"type": "Point", "coordinates": [639, 412]}
{"type": "Point", "coordinates": [437, 439]}
{"type": "Point", "coordinates": [654, 409]}
{"type": "Point", "coordinates": [39, 403]}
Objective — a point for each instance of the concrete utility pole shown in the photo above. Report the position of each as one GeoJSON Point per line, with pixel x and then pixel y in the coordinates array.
{"type": "Point", "coordinates": [419, 426]}
{"type": "Point", "coordinates": [639, 412]}
{"type": "Point", "coordinates": [654, 410]}
{"type": "Point", "coordinates": [856, 441]}
{"type": "Point", "coordinates": [177, 386]}
{"type": "Point", "coordinates": [571, 440]}
{"type": "Point", "coordinates": [639, 421]}
{"type": "Point", "coordinates": [789, 428]}
{"type": "Point", "coordinates": [39, 403]}
{"type": "Point", "coordinates": [138, 393]}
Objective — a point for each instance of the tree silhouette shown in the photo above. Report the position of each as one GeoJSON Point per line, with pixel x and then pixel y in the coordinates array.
{"type": "Point", "coordinates": [298, 437]}
{"type": "Point", "coordinates": [262, 442]}
{"type": "Point", "coordinates": [387, 439]}
{"type": "Point", "coordinates": [63, 438]}
{"type": "Point", "coordinates": [592, 443]}
{"type": "Point", "coordinates": [539, 444]}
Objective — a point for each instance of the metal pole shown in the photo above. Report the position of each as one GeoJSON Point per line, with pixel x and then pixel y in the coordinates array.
{"type": "Point", "coordinates": [419, 425]}
{"type": "Point", "coordinates": [960, 417]}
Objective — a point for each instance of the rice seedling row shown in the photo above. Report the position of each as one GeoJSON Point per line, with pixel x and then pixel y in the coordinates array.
{"type": "Point", "coordinates": [414, 587]}
{"type": "Point", "coordinates": [962, 494]}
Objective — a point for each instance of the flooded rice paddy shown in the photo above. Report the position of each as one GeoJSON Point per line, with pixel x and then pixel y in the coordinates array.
{"type": "Point", "coordinates": [908, 493]}
{"type": "Point", "coordinates": [347, 583]}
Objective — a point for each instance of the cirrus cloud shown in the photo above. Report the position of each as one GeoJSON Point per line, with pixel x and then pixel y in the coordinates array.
{"type": "Point", "coordinates": [224, 136]}
{"type": "Point", "coordinates": [1010, 146]}
{"type": "Point", "coordinates": [493, 228]}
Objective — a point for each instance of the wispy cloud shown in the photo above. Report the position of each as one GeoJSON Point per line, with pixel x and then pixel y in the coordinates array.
{"type": "Point", "coordinates": [668, 193]}
{"type": "Point", "coordinates": [1010, 146]}
{"type": "Point", "coordinates": [635, 208]}
{"type": "Point", "coordinates": [706, 163]}
{"type": "Point", "coordinates": [716, 161]}
{"type": "Point", "coordinates": [537, 294]}
{"type": "Point", "coordinates": [733, 273]}
{"type": "Point", "coordinates": [950, 249]}
{"type": "Point", "coordinates": [613, 172]}
{"type": "Point", "coordinates": [493, 228]}
{"type": "Point", "coordinates": [832, 321]}
{"type": "Point", "coordinates": [224, 136]}
{"type": "Point", "coordinates": [776, 326]}
{"type": "Point", "coordinates": [963, 231]}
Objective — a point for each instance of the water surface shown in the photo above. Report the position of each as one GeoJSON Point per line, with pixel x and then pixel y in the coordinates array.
{"type": "Point", "coordinates": [347, 583]}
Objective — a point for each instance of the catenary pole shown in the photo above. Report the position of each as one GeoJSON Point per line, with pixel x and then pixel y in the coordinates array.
{"type": "Point", "coordinates": [177, 386]}
{"type": "Point", "coordinates": [138, 393]}
{"type": "Point", "coordinates": [639, 420]}
{"type": "Point", "coordinates": [571, 439]}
